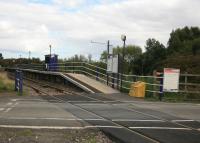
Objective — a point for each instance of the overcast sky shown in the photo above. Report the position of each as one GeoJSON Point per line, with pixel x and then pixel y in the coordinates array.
{"type": "Point", "coordinates": [70, 25]}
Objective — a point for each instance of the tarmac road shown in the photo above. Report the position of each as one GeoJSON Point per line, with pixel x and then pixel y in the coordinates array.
{"type": "Point", "coordinates": [121, 117]}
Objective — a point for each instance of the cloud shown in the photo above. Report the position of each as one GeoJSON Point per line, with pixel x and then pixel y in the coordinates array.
{"type": "Point", "coordinates": [33, 25]}
{"type": "Point", "coordinates": [69, 3]}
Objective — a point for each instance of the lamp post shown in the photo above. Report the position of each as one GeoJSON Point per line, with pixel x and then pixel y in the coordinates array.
{"type": "Point", "coordinates": [50, 49]}
{"type": "Point", "coordinates": [123, 38]}
{"type": "Point", "coordinates": [29, 57]}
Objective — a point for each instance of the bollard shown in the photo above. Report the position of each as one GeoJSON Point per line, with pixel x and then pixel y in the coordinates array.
{"type": "Point", "coordinates": [161, 88]}
{"type": "Point", "coordinates": [19, 81]}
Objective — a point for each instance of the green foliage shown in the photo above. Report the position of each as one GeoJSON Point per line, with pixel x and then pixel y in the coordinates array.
{"type": "Point", "coordinates": [1, 56]}
{"type": "Point", "coordinates": [77, 58]}
{"type": "Point", "coordinates": [14, 62]}
{"type": "Point", "coordinates": [132, 52]}
{"type": "Point", "coordinates": [155, 52]}
{"type": "Point", "coordinates": [196, 47]}
{"type": "Point", "coordinates": [5, 83]}
{"type": "Point", "coordinates": [182, 40]}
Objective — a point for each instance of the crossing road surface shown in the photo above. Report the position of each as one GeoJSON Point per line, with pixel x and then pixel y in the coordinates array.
{"type": "Point", "coordinates": [123, 119]}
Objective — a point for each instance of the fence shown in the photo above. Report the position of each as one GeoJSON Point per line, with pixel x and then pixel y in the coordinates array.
{"type": "Point", "coordinates": [188, 83]}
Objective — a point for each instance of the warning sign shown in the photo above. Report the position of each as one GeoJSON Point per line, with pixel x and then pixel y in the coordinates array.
{"type": "Point", "coordinates": [171, 80]}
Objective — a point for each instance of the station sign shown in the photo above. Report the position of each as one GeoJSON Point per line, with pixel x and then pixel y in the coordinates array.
{"type": "Point", "coordinates": [171, 80]}
{"type": "Point", "coordinates": [112, 64]}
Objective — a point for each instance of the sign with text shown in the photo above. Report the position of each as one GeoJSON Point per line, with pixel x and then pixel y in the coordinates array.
{"type": "Point", "coordinates": [171, 80]}
{"type": "Point", "coordinates": [112, 64]}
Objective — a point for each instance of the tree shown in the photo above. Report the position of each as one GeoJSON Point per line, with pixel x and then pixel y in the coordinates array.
{"type": "Point", "coordinates": [181, 40]}
{"type": "Point", "coordinates": [104, 56]}
{"type": "Point", "coordinates": [1, 56]}
{"type": "Point", "coordinates": [155, 52]}
{"type": "Point", "coordinates": [196, 46]}
{"type": "Point", "coordinates": [132, 52]}
{"type": "Point", "coordinates": [77, 58]}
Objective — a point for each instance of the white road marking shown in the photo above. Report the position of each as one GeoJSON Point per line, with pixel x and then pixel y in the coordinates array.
{"type": "Point", "coordinates": [14, 105]}
{"type": "Point", "coordinates": [1, 109]}
{"type": "Point", "coordinates": [160, 128]}
{"type": "Point", "coordinates": [7, 110]}
{"type": "Point", "coordinates": [55, 127]}
{"type": "Point", "coordinates": [101, 101]}
{"type": "Point", "coordinates": [183, 120]}
{"type": "Point", "coordinates": [14, 100]}
{"type": "Point", "coordinates": [10, 103]}
{"type": "Point", "coordinates": [98, 126]}
{"type": "Point", "coordinates": [132, 120]}
{"type": "Point", "coordinates": [90, 104]}
{"type": "Point", "coordinates": [63, 119]}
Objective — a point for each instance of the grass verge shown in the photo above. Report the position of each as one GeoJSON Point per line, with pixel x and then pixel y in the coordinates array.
{"type": "Point", "coordinates": [6, 84]}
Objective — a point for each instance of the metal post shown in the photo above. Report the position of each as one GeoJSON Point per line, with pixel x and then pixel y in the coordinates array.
{"type": "Point", "coordinates": [21, 82]}
{"type": "Point", "coordinates": [186, 80]}
{"type": "Point", "coordinates": [118, 73]}
{"type": "Point", "coordinates": [16, 75]}
{"type": "Point", "coordinates": [50, 50]}
{"type": "Point", "coordinates": [113, 80]}
{"type": "Point", "coordinates": [108, 49]}
{"type": "Point", "coordinates": [29, 56]}
{"type": "Point", "coordinates": [155, 82]}
{"type": "Point", "coordinates": [122, 63]}
{"type": "Point", "coordinates": [161, 87]}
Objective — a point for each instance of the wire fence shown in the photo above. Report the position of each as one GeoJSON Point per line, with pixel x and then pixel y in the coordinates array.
{"type": "Point", "coordinates": [188, 83]}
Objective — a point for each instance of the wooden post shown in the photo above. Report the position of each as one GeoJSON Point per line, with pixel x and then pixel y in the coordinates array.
{"type": "Point", "coordinates": [154, 82]}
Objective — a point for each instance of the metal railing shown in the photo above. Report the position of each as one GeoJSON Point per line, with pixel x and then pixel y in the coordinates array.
{"type": "Point", "coordinates": [153, 83]}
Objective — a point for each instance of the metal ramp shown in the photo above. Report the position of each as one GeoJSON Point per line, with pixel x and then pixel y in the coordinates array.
{"type": "Point", "coordinates": [92, 84]}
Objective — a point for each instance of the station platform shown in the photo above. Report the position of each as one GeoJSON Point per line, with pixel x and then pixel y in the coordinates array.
{"type": "Point", "coordinates": [84, 82]}
{"type": "Point", "coordinates": [92, 84]}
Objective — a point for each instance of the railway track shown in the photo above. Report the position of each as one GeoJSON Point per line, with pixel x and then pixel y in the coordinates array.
{"type": "Point", "coordinates": [53, 97]}
{"type": "Point", "coordinates": [62, 99]}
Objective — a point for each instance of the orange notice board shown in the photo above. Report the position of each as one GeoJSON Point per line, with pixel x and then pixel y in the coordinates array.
{"type": "Point", "coordinates": [171, 80]}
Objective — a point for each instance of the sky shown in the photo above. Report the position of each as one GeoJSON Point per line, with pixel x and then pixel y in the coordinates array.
{"type": "Point", "coordinates": [70, 25]}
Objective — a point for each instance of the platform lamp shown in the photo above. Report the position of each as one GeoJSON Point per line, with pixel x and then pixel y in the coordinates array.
{"type": "Point", "coordinates": [50, 50]}
{"type": "Point", "coordinates": [123, 38]}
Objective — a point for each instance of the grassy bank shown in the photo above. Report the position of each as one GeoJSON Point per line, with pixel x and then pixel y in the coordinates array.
{"type": "Point", "coordinates": [5, 83]}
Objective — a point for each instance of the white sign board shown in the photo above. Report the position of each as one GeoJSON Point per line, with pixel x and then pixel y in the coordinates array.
{"type": "Point", "coordinates": [109, 64]}
{"type": "Point", "coordinates": [115, 64]}
{"type": "Point", "coordinates": [171, 80]}
{"type": "Point", "coordinates": [112, 64]}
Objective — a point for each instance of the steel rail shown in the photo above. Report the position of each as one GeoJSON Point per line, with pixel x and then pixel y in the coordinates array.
{"type": "Point", "coordinates": [101, 117]}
